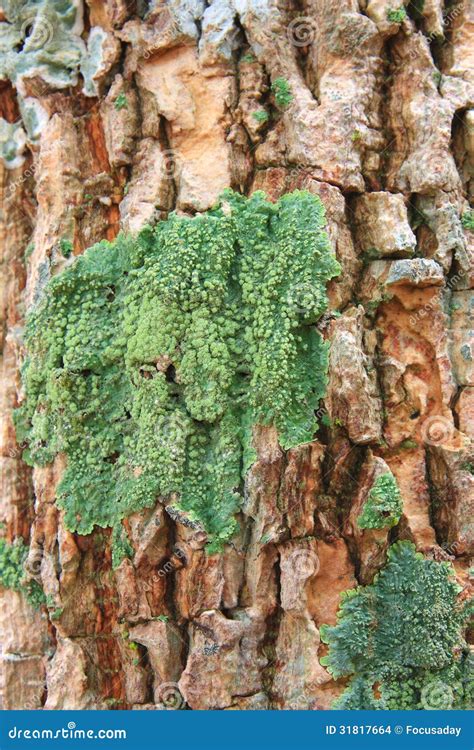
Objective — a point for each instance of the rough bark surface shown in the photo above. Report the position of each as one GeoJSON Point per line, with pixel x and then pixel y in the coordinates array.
{"type": "Point", "coordinates": [381, 127]}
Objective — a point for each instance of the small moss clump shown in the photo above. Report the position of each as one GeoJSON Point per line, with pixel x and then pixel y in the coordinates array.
{"type": "Point", "coordinates": [282, 92]}
{"type": "Point", "coordinates": [121, 102]}
{"type": "Point", "coordinates": [66, 247]}
{"type": "Point", "coordinates": [383, 506]}
{"type": "Point", "coordinates": [121, 547]}
{"type": "Point", "coordinates": [396, 15]}
{"type": "Point", "coordinates": [467, 220]}
{"type": "Point", "coordinates": [54, 611]}
{"type": "Point", "coordinates": [151, 358]}
{"type": "Point", "coordinates": [408, 444]}
{"type": "Point", "coordinates": [261, 115]}
{"type": "Point", "coordinates": [12, 572]}
{"type": "Point", "coordinates": [400, 639]}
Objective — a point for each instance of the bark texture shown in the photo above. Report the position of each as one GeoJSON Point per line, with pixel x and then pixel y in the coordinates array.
{"type": "Point", "coordinates": [180, 106]}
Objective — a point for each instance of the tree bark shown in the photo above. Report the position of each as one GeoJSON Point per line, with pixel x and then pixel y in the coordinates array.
{"type": "Point", "coordinates": [179, 107]}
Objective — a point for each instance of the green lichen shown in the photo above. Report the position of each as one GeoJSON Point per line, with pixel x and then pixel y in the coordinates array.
{"type": "Point", "coordinates": [383, 507]}
{"type": "Point", "coordinates": [33, 116]}
{"type": "Point", "coordinates": [12, 143]}
{"type": "Point", "coordinates": [467, 220]}
{"type": "Point", "coordinates": [261, 115]}
{"type": "Point", "coordinates": [41, 38]}
{"type": "Point", "coordinates": [92, 63]}
{"type": "Point", "coordinates": [401, 637]}
{"type": "Point", "coordinates": [12, 572]}
{"type": "Point", "coordinates": [151, 358]}
{"type": "Point", "coordinates": [282, 92]}
{"type": "Point", "coordinates": [396, 15]}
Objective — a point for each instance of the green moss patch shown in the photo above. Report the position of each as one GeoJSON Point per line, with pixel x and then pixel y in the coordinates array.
{"type": "Point", "coordinates": [150, 358]}
{"type": "Point", "coordinates": [400, 638]}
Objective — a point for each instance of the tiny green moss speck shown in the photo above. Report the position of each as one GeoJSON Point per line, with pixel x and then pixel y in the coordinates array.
{"type": "Point", "coordinates": [261, 115]}
{"type": "Point", "coordinates": [282, 92]}
{"type": "Point", "coordinates": [396, 15]}
{"type": "Point", "coordinates": [408, 444]}
{"type": "Point", "coordinates": [121, 102]}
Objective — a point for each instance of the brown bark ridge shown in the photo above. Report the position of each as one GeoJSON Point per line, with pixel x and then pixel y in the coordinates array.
{"type": "Point", "coordinates": [381, 127]}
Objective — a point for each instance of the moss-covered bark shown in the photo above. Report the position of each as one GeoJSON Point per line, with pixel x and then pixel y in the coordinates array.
{"type": "Point", "coordinates": [175, 383]}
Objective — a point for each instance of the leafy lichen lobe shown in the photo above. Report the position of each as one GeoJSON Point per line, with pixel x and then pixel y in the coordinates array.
{"type": "Point", "coordinates": [150, 358]}
{"type": "Point", "coordinates": [401, 637]}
